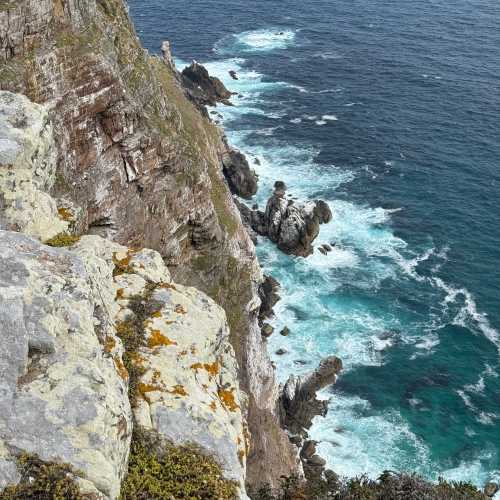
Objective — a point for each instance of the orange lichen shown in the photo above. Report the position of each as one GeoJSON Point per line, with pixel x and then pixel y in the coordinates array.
{"type": "Point", "coordinates": [120, 294]}
{"type": "Point", "coordinates": [178, 390]}
{"type": "Point", "coordinates": [241, 456]}
{"type": "Point", "coordinates": [156, 314]}
{"type": "Point", "coordinates": [65, 214]}
{"type": "Point", "coordinates": [109, 344]}
{"type": "Point", "coordinates": [227, 399]}
{"type": "Point", "coordinates": [212, 369]}
{"type": "Point", "coordinates": [183, 353]}
{"type": "Point", "coordinates": [157, 339]}
{"type": "Point", "coordinates": [179, 309]}
{"type": "Point", "coordinates": [213, 406]}
{"type": "Point", "coordinates": [120, 368]}
{"type": "Point", "coordinates": [122, 266]}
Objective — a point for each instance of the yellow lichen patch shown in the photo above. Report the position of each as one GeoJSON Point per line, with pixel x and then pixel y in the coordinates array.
{"type": "Point", "coordinates": [157, 339]}
{"type": "Point", "coordinates": [120, 294]}
{"type": "Point", "coordinates": [65, 214]}
{"type": "Point", "coordinates": [156, 314]}
{"type": "Point", "coordinates": [241, 456]}
{"type": "Point", "coordinates": [144, 389]}
{"type": "Point", "coordinates": [109, 344]}
{"type": "Point", "coordinates": [123, 266]}
{"type": "Point", "coordinates": [120, 368]}
{"type": "Point", "coordinates": [62, 240]}
{"type": "Point", "coordinates": [180, 310]}
{"type": "Point", "coordinates": [211, 368]}
{"type": "Point", "coordinates": [213, 406]}
{"type": "Point", "coordinates": [136, 358]}
{"type": "Point", "coordinates": [178, 390]}
{"type": "Point", "coordinates": [227, 399]}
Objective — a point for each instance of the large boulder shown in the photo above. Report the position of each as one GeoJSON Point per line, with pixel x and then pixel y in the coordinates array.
{"type": "Point", "coordinates": [63, 395]}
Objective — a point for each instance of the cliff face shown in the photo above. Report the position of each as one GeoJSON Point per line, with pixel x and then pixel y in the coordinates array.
{"type": "Point", "coordinates": [107, 144]}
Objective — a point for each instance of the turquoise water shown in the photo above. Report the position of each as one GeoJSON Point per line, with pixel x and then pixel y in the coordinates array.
{"type": "Point", "coordinates": [389, 111]}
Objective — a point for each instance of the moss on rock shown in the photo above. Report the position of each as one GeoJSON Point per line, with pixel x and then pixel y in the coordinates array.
{"type": "Point", "coordinates": [161, 470]}
{"type": "Point", "coordinates": [43, 481]}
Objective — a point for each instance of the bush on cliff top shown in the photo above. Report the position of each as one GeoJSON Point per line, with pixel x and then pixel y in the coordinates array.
{"type": "Point", "coordinates": [389, 486]}
{"type": "Point", "coordinates": [162, 471]}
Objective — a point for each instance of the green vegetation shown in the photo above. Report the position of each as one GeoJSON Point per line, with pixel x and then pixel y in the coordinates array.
{"type": "Point", "coordinates": [62, 240]}
{"type": "Point", "coordinates": [389, 486]}
{"type": "Point", "coordinates": [43, 481]}
{"type": "Point", "coordinates": [163, 471]}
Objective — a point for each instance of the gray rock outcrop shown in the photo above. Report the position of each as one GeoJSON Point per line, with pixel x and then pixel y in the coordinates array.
{"type": "Point", "coordinates": [292, 226]}
{"type": "Point", "coordinates": [299, 403]}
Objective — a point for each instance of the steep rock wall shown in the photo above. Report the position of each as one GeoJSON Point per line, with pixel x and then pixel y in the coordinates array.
{"type": "Point", "coordinates": [137, 163]}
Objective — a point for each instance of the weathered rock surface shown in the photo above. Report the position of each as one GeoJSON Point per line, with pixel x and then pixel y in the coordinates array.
{"type": "Point", "coordinates": [138, 164]}
{"type": "Point", "coordinates": [61, 394]}
{"type": "Point", "coordinates": [241, 178]}
{"type": "Point", "coordinates": [269, 296]}
{"type": "Point", "coordinates": [189, 389]}
{"type": "Point", "coordinates": [292, 226]}
{"type": "Point", "coordinates": [27, 168]}
{"type": "Point", "coordinates": [202, 88]}
{"type": "Point", "coordinates": [299, 404]}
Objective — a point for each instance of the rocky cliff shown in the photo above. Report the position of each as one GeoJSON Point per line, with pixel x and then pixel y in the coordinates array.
{"type": "Point", "coordinates": [99, 140]}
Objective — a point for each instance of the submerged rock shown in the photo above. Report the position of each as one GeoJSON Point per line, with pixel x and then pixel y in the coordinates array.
{"type": "Point", "coordinates": [233, 74]}
{"type": "Point", "coordinates": [491, 489]}
{"type": "Point", "coordinates": [285, 331]}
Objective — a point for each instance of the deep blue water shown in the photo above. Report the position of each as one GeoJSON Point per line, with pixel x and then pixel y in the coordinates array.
{"type": "Point", "coordinates": [389, 110]}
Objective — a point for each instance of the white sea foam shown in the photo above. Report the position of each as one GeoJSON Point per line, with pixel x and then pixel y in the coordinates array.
{"type": "Point", "coordinates": [296, 120]}
{"type": "Point", "coordinates": [261, 40]}
{"type": "Point", "coordinates": [330, 118]}
{"type": "Point", "coordinates": [320, 122]}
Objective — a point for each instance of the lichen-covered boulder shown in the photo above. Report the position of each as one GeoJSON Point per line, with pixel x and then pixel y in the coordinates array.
{"type": "Point", "coordinates": [182, 366]}
{"type": "Point", "coordinates": [62, 396]}
{"type": "Point", "coordinates": [27, 168]}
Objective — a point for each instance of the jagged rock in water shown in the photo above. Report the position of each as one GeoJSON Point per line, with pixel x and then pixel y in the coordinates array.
{"type": "Point", "coordinates": [292, 226]}
{"type": "Point", "coordinates": [241, 178]}
{"type": "Point", "coordinates": [202, 88]}
{"type": "Point", "coordinates": [233, 74]}
{"type": "Point", "coordinates": [298, 401]}
{"type": "Point", "coordinates": [285, 331]}
{"type": "Point", "coordinates": [63, 393]}
{"type": "Point", "coordinates": [269, 296]}
{"type": "Point", "coordinates": [267, 330]}
{"type": "Point", "coordinates": [491, 489]}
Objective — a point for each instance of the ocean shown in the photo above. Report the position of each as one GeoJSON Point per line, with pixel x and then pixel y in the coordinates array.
{"type": "Point", "coordinates": [388, 110]}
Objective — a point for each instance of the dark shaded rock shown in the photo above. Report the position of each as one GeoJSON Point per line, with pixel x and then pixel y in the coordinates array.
{"type": "Point", "coordinates": [279, 187]}
{"type": "Point", "coordinates": [300, 362]}
{"type": "Point", "coordinates": [323, 212]}
{"type": "Point", "coordinates": [491, 489]}
{"type": "Point", "coordinates": [316, 461]}
{"type": "Point", "coordinates": [296, 439]}
{"type": "Point", "coordinates": [256, 161]}
{"type": "Point", "coordinates": [308, 449]}
{"type": "Point", "coordinates": [203, 89]}
{"type": "Point", "coordinates": [233, 74]}
{"type": "Point", "coordinates": [269, 296]}
{"type": "Point", "coordinates": [241, 178]}
{"type": "Point", "coordinates": [322, 250]}
{"type": "Point", "coordinates": [281, 351]}
{"type": "Point", "coordinates": [285, 331]}
{"type": "Point", "coordinates": [267, 330]}
{"type": "Point", "coordinates": [298, 401]}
